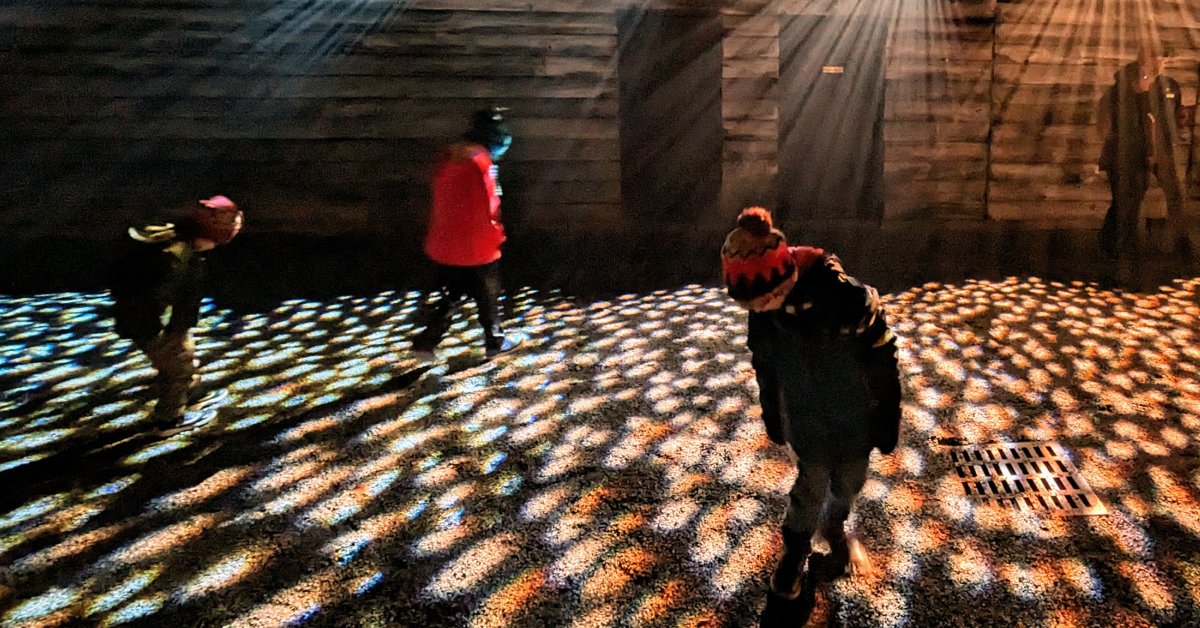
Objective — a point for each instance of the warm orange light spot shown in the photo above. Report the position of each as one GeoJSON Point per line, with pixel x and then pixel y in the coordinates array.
{"type": "Point", "coordinates": [164, 540]}
{"type": "Point", "coordinates": [590, 501]}
{"type": "Point", "coordinates": [1021, 580]}
{"type": "Point", "coordinates": [285, 476]}
{"type": "Point", "coordinates": [663, 603]}
{"type": "Point", "coordinates": [969, 568]}
{"type": "Point", "coordinates": [504, 607]}
{"type": "Point", "coordinates": [976, 390]}
{"type": "Point", "coordinates": [905, 498]}
{"type": "Point", "coordinates": [699, 619]}
{"type": "Point", "coordinates": [611, 580]}
{"type": "Point", "coordinates": [1135, 504]}
{"type": "Point", "coordinates": [1149, 584]}
{"type": "Point", "coordinates": [627, 523]}
{"type": "Point", "coordinates": [688, 482]}
{"type": "Point", "coordinates": [932, 536]}
{"type": "Point", "coordinates": [1175, 499]}
{"type": "Point", "coordinates": [216, 484]}
{"type": "Point", "coordinates": [307, 428]}
{"type": "Point", "coordinates": [1120, 450]}
{"type": "Point", "coordinates": [712, 540]}
{"type": "Point", "coordinates": [772, 475]}
{"type": "Point", "coordinates": [747, 560]}
{"type": "Point", "coordinates": [72, 545]}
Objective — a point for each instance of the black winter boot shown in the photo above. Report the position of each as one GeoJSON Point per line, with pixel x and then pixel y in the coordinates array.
{"type": "Point", "coordinates": [788, 579]}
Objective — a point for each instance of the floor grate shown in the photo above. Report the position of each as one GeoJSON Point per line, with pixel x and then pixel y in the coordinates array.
{"type": "Point", "coordinates": [1035, 476]}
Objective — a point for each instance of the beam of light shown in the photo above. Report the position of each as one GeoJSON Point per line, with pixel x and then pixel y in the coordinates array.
{"type": "Point", "coordinates": [71, 546]}
{"type": "Point", "coordinates": [504, 605]}
{"type": "Point", "coordinates": [448, 532]}
{"type": "Point", "coordinates": [159, 542]}
{"type": "Point", "coordinates": [114, 486]}
{"type": "Point", "coordinates": [224, 573]}
{"type": "Point", "coordinates": [33, 440]}
{"type": "Point", "coordinates": [39, 607]}
{"type": "Point", "coordinates": [577, 560]}
{"type": "Point", "coordinates": [613, 577]}
{"type": "Point", "coordinates": [213, 486]}
{"type": "Point", "coordinates": [122, 421]}
{"type": "Point", "coordinates": [156, 450]}
{"type": "Point", "coordinates": [32, 510]}
{"type": "Point", "coordinates": [709, 449]}
{"type": "Point", "coordinates": [120, 593]}
{"type": "Point", "coordinates": [136, 610]}
{"type": "Point", "coordinates": [368, 583]}
{"type": "Point", "coordinates": [472, 566]}
{"type": "Point", "coordinates": [1150, 585]}
{"type": "Point", "coordinates": [750, 557]}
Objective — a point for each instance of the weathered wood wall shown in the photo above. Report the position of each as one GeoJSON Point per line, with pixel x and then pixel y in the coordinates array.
{"type": "Point", "coordinates": [321, 117]}
{"type": "Point", "coordinates": [1053, 62]}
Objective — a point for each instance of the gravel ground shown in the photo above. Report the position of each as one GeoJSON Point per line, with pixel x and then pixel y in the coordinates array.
{"type": "Point", "coordinates": [612, 471]}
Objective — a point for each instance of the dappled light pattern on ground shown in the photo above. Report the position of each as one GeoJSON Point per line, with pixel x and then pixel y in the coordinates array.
{"type": "Point", "coordinates": [613, 471]}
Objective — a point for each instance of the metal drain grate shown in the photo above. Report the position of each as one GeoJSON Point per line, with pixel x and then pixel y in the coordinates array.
{"type": "Point", "coordinates": [1026, 476]}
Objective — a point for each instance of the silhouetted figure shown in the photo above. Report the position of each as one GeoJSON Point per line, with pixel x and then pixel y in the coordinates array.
{"type": "Point", "coordinates": [828, 381]}
{"type": "Point", "coordinates": [1140, 118]}
{"type": "Point", "coordinates": [465, 234]}
{"type": "Point", "coordinates": [156, 289]}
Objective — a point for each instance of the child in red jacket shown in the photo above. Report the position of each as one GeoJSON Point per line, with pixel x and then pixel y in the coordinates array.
{"type": "Point", "coordinates": [465, 234]}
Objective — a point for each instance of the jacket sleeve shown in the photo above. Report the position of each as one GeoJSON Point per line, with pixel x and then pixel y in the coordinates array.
{"type": "Point", "coordinates": [854, 309]}
{"type": "Point", "coordinates": [185, 292]}
{"type": "Point", "coordinates": [848, 306]}
{"type": "Point", "coordinates": [484, 162]}
{"type": "Point", "coordinates": [764, 371]}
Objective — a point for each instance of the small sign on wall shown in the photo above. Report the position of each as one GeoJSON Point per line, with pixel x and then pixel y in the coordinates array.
{"type": "Point", "coordinates": [833, 69]}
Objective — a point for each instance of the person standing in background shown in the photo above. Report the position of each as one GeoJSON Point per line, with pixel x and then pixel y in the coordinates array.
{"type": "Point", "coordinates": [1141, 117]}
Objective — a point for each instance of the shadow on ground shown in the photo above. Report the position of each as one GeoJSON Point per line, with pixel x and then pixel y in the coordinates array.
{"type": "Point", "coordinates": [613, 471]}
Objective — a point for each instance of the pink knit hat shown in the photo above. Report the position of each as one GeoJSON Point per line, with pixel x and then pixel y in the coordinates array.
{"type": "Point", "coordinates": [217, 219]}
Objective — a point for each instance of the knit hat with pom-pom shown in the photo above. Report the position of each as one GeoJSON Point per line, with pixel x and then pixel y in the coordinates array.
{"type": "Point", "coordinates": [217, 219]}
{"type": "Point", "coordinates": [759, 269]}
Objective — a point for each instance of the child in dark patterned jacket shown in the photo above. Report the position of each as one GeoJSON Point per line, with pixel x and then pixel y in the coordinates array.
{"type": "Point", "coordinates": [825, 362]}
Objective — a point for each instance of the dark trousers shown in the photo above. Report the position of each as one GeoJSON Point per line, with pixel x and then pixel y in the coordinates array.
{"type": "Point", "coordinates": [481, 284]}
{"type": "Point", "coordinates": [173, 356]}
{"type": "Point", "coordinates": [823, 494]}
{"type": "Point", "coordinates": [1128, 184]}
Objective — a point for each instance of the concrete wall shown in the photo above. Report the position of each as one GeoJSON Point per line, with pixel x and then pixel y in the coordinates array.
{"type": "Point", "coordinates": [321, 119]}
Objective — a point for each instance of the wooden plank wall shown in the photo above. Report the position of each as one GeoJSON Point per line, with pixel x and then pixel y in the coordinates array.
{"type": "Point", "coordinates": [936, 119]}
{"type": "Point", "coordinates": [1053, 62]}
{"type": "Point", "coordinates": [750, 107]}
{"type": "Point", "coordinates": [322, 117]}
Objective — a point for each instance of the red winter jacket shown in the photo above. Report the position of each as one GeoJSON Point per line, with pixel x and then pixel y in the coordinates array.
{"type": "Point", "coordinates": [464, 222]}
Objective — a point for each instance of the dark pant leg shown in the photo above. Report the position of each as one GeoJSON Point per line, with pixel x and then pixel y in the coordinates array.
{"type": "Point", "coordinates": [484, 288]}
{"type": "Point", "coordinates": [1120, 231]}
{"type": "Point", "coordinates": [1168, 175]}
{"type": "Point", "coordinates": [173, 356]}
{"type": "Point", "coordinates": [805, 499]}
{"type": "Point", "coordinates": [799, 523]}
{"type": "Point", "coordinates": [435, 312]}
{"type": "Point", "coordinates": [846, 479]}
